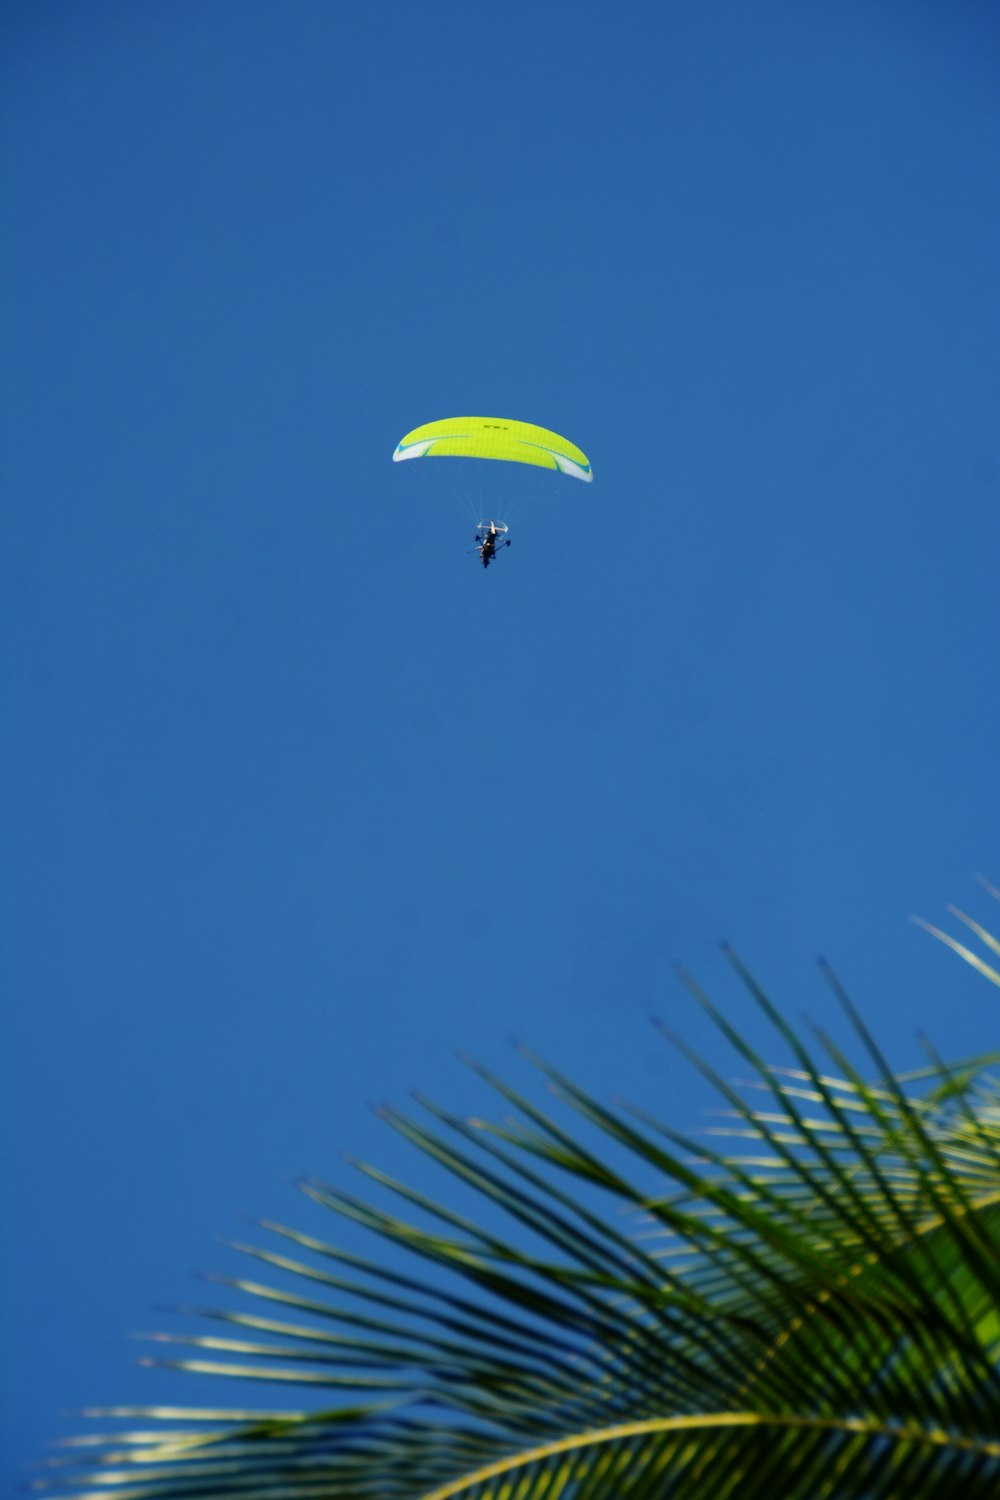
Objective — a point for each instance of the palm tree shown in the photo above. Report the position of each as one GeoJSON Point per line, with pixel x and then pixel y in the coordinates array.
{"type": "Point", "coordinates": [812, 1311]}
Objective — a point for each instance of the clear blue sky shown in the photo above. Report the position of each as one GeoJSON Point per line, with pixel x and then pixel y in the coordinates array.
{"type": "Point", "coordinates": [297, 799]}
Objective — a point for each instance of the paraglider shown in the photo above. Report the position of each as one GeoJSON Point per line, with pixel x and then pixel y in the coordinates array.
{"type": "Point", "coordinates": [488, 541]}
{"type": "Point", "coordinates": [494, 438]}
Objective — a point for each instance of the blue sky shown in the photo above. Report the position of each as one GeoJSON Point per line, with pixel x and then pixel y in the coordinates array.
{"type": "Point", "coordinates": [297, 800]}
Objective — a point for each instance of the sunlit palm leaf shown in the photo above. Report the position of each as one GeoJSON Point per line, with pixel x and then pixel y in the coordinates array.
{"type": "Point", "coordinates": [813, 1313]}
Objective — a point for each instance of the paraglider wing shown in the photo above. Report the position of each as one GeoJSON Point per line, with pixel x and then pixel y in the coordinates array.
{"type": "Point", "coordinates": [495, 437]}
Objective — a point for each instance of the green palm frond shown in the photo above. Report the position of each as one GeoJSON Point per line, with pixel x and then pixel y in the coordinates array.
{"type": "Point", "coordinates": [991, 943]}
{"type": "Point", "coordinates": [803, 1303]}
